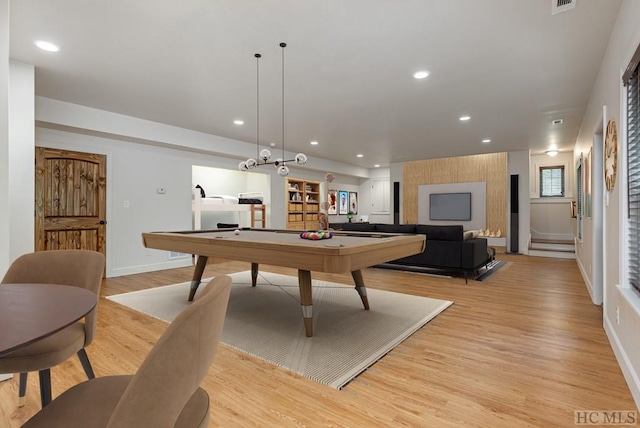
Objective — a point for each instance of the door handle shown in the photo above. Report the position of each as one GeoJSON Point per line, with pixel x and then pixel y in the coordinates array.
{"type": "Point", "coordinates": [103, 222]}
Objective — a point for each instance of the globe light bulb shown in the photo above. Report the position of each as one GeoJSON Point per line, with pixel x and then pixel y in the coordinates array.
{"type": "Point", "coordinates": [251, 163]}
{"type": "Point", "coordinates": [242, 166]}
{"type": "Point", "coordinates": [283, 171]}
{"type": "Point", "coordinates": [265, 154]}
{"type": "Point", "coordinates": [301, 158]}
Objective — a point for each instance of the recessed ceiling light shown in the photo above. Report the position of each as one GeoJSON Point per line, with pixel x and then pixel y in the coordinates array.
{"type": "Point", "coordinates": [238, 122]}
{"type": "Point", "coordinates": [47, 46]}
{"type": "Point", "coordinates": [465, 118]}
{"type": "Point", "coordinates": [486, 140]}
{"type": "Point", "coordinates": [314, 143]}
{"type": "Point", "coordinates": [376, 165]}
{"type": "Point", "coordinates": [272, 144]}
{"type": "Point", "coordinates": [421, 74]}
{"type": "Point", "coordinates": [359, 155]}
{"type": "Point", "coordinates": [551, 152]}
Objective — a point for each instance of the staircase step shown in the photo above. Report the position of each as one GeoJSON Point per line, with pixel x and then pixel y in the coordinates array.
{"type": "Point", "coordinates": [552, 241]}
{"type": "Point", "coordinates": [552, 246]}
{"type": "Point", "coordinates": [552, 253]}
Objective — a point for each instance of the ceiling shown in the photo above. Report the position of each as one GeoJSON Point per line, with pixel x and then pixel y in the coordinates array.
{"type": "Point", "coordinates": [509, 64]}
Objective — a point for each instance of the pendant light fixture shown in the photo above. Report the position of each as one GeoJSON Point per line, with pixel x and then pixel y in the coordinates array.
{"type": "Point", "coordinates": [263, 156]}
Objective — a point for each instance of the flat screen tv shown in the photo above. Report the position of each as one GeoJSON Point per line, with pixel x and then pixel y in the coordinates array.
{"type": "Point", "coordinates": [450, 206]}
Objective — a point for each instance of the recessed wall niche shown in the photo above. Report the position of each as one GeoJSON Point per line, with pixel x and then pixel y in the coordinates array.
{"type": "Point", "coordinates": [478, 193]}
{"type": "Point", "coordinates": [488, 168]}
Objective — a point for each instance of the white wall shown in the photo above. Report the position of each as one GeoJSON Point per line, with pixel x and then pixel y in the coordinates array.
{"type": "Point", "coordinates": [518, 163]}
{"type": "Point", "coordinates": [478, 192]}
{"type": "Point", "coordinates": [607, 91]}
{"type": "Point", "coordinates": [551, 217]}
{"type": "Point", "coordinates": [543, 160]}
{"type": "Point", "coordinates": [350, 184]}
{"type": "Point", "coordinates": [16, 162]}
{"type": "Point", "coordinates": [365, 196]}
{"type": "Point", "coordinates": [5, 226]}
{"type": "Point", "coordinates": [220, 181]}
{"type": "Point", "coordinates": [64, 115]}
{"type": "Point", "coordinates": [144, 155]}
{"type": "Point", "coordinates": [551, 220]}
{"type": "Point", "coordinates": [21, 152]}
{"type": "Point", "coordinates": [134, 172]}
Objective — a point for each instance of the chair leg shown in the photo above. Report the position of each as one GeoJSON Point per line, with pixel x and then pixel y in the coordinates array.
{"type": "Point", "coordinates": [45, 387]}
{"type": "Point", "coordinates": [22, 389]}
{"type": "Point", "coordinates": [86, 365]}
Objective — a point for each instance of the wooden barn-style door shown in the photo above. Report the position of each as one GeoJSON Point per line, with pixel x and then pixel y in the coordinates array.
{"type": "Point", "coordinates": [70, 200]}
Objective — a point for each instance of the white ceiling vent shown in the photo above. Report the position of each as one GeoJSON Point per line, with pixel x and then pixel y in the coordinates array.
{"type": "Point", "coordinates": [558, 6]}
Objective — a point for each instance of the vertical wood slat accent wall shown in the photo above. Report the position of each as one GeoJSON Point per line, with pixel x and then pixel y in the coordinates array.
{"type": "Point", "coordinates": [490, 168]}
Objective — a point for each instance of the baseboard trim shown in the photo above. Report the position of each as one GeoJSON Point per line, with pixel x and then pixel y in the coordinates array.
{"type": "Point", "coordinates": [630, 375]}
{"type": "Point", "coordinates": [586, 280]}
{"type": "Point", "coordinates": [170, 264]}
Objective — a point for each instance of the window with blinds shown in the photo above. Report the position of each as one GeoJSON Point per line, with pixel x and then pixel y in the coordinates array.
{"type": "Point", "coordinates": [552, 181]}
{"type": "Point", "coordinates": [633, 177]}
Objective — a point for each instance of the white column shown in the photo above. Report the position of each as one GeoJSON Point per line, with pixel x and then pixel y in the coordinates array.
{"type": "Point", "coordinates": [4, 140]}
{"type": "Point", "coordinates": [21, 157]}
{"type": "Point", "coordinates": [4, 136]}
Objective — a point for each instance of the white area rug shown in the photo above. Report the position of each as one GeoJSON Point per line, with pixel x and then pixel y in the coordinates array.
{"type": "Point", "coordinates": [266, 321]}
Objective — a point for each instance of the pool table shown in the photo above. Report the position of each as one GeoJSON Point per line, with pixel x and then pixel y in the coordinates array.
{"type": "Point", "coordinates": [344, 252]}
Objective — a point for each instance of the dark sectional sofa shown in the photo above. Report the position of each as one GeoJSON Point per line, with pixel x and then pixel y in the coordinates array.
{"type": "Point", "coordinates": [447, 247]}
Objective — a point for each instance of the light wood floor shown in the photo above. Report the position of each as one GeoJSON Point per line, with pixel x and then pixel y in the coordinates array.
{"type": "Point", "coordinates": [523, 348]}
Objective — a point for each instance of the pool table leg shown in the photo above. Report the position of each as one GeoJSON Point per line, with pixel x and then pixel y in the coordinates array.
{"type": "Point", "coordinates": [254, 274]}
{"type": "Point", "coordinates": [304, 282]}
{"type": "Point", "coordinates": [360, 288]}
{"type": "Point", "coordinates": [197, 276]}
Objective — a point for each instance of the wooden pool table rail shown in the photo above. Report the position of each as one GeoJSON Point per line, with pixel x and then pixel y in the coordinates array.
{"type": "Point", "coordinates": [345, 252]}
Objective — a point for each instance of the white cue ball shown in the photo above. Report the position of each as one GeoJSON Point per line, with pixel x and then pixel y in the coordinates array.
{"type": "Point", "coordinates": [236, 232]}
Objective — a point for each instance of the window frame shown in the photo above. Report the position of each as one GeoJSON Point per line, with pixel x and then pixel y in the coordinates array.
{"type": "Point", "coordinates": [541, 170]}
{"type": "Point", "coordinates": [541, 161]}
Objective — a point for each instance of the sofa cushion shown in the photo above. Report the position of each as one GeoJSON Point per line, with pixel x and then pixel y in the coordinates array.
{"type": "Point", "coordinates": [474, 253]}
{"type": "Point", "coordinates": [442, 254]}
{"type": "Point", "coordinates": [470, 234]}
{"type": "Point", "coordinates": [359, 227]}
{"type": "Point", "coordinates": [396, 228]}
{"type": "Point", "coordinates": [441, 233]}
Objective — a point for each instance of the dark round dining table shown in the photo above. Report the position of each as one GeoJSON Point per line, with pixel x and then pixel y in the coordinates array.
{"type": "Point", "coordinates": [30, 312]}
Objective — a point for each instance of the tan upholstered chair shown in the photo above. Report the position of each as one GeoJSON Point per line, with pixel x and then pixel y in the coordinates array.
{"type": "Point", "coordinates": [79, 268]}
{"type": "Point", "coordinates": [165, 392]}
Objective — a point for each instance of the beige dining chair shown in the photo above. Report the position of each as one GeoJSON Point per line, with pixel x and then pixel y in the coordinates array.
{"type": "Point", "coordinates": [79, 268]}
{"type": "Point", "coordinates": [164, 392]}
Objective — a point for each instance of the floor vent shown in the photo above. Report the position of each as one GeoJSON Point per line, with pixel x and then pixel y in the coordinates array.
{"type": "Point", "coordinates": [558, 6]}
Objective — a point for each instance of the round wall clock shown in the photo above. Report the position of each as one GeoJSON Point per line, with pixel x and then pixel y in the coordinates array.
{"type": "Point", "coordinates": [610, 155]}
